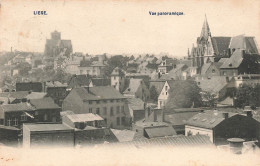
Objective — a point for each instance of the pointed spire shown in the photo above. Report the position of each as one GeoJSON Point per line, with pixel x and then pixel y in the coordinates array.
{"type": "Point", "coordinates": [205, 32]}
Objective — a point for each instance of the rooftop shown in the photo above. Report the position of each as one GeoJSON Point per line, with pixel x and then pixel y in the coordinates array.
{"type": "Point", "coordinates": [47, 127]}
{"type": "Point", "coordinates": [44, 103]}
{"type": "Point", "coordinates": [83, 117]}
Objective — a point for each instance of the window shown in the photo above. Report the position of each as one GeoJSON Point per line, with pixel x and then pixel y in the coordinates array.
{"type": "Point", "coordinates": [23, 117]}
{"type": "Point", "coordinates": [90, 102]}
{"type": "Point", "coordinates": [45, 117]}
{"type": "Point", "coordinates": [166, 87]}
{"type": "Point", "coordinates": [224, 73]}
{"type": "Point", "coordinates": [123, 120]}
{"type": "Point", "coordinates": [166, 93]}
{"type": "Point", "coordinates": [15, 122]}
{"type": "Point", "coordinates": [90, 110]}
{"type": "Point", "coordinates": [9, 121]}
{"type": "Point", "coordinates": [111, 100]}
{"type": "Point", "coordinates": [111, 111]}
{"type": "Point", "coordinates": [117, 109]}
{"type": "Point", "coordinates": [97, 111]}
{"type": "Point", "coordinates": [105, 119]}
{"type": "Point", "coordinates": [104, 101]}
{"type": "Point", "coordinates": [118, 120]}
{"type": "Point", "coordinates": [122, 109]}
{"type": "Point", "coordinates": [98, 101]}
{"type": "Point", "coordinates": [117, 100]}
{"type": "Point", "coordinates": [104, 110]}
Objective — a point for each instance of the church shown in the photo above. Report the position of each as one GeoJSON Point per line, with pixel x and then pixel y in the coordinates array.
{"type": "Point", "coordinates": [210, 49]}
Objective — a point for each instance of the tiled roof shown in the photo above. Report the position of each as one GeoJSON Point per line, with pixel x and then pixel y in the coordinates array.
{"type": "Point", "coordinates": [16, 95]}
{"type": "Point", "coordinates": [101, 82]}
{"type": "Point", "coordinates": [78, 81]}
{"type": "Point", "coordinates": [124, 135]}
{"type": "Point", "coordinates": [244, 42]}
{"type": "Point", "coordinates": [176, 141]}
{"type": "Point", "coordinates": [158, 85]}
{"type": "Point", "coordinates": [47, 127]}
{"type": "Point", "coordinates": [206, 66]}
{"type": "Point", "coordinates": [179, 118]}
{"type": "Point", "coordinates": [160, 131]}
{"type": "Point", "coordinates": [44, 103]}
{"type": "Point", "coordinates": [234, 61]}
{"type": "Point", "coordinates": [208, 120]}
{"type": "Point", "coordinates": [64, 113]}
{"type": "Point", "coordinates": [84, 117]}
{"type": "Point", "coordinates": [36, 95]}
{"type": "Point", "coordinates": [98, 93]}
{"type": "Point", "coordinates": [133, 86]}
{"type": "Point", "coordinates": [222, 60]}
{"type": "Point", "coordinates": [55, 84]}
{"type": "Point", "coordinates": [136, 103]}
{"type": "Point", "coordinates": [214, 84]}
{"type": "Point", "coordinates": [220, 44]}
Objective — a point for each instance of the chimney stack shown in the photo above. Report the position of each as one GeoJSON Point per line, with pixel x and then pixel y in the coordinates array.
{"type": "Point", "coordinates": [236, 145]}
{"type": "Point", "coordinates": [225, 115]}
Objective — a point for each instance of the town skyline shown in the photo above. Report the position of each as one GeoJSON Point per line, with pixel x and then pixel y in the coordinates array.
{"type": "Point", "coordinates": [133, 30]}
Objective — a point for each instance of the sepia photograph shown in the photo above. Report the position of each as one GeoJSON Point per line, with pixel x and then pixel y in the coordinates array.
{"type": "Point", "coordinates": [129, 82]}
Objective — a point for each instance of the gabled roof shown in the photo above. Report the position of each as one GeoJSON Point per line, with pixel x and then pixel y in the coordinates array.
{"type": "Point", "coordinates": [214, 84]}
{"type": "Point", "coordinates": [158, 84]}
{"type": "Point", "coordinates": [160, 131]}
{"type": "Point", "coordinates": [124, 135]}
{"type": "Point", "coordinates": [179, 118]}
{"type": "Point", "coordinates": [244, 42]}
{"type": "Point", "coordinates": [84, 117]}
{"type": "Point", "coordinates": [206, 66]}
{"type": "Point", "coordinates": [79, 81]}
{"type": "Point", "coordinates": [135, 103]}
{"type": "Point", "coordinates": [174, 72]}
{"type": "Point", "coordinates": [101, 81]}
{"type": "Point", "coordinates": [209, 119]}
{"type": "Point", "coordinates": [14, 108]}
{"type": "Point", "coordinates": [15, 95]}
{"type": "Point", "coordinates": [44, 103]}
{"type": "Point", "coordinates": [133, 86]}
{"type": "Point", "coordinates": [221, 45]}
{"type": "Point", "coordinates": [98, 93]}
{"type": "Point", "coordinates": [36, 95]}
{"type": "Point", "coordinates": [234, 61]}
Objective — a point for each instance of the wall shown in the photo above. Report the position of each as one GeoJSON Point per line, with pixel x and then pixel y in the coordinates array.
{"type": "Point", "coordinates": [54, 138]}
{"type": "Point", "coordinates": [163, 95]}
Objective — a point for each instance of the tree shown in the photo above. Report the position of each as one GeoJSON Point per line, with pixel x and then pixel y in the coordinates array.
{"type": "Point", "coordinates": [116, 61]}
{"type": "Point", "coordinates": [184, 94]}
{"type": "Point", "coordinates": [153, 94]}
{"type": "Point", "coordinates": [61, 76]}
{"type": "Point", "coordinates": [247, 95]}
{"type": "Point", "coordinates": [24, 68]}
{"type": "Point", "coordinates": [209, 98]}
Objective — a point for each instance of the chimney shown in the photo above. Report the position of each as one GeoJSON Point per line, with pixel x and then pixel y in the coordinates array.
{"type": "Point", "coordinates": [236, 145]}
{"type": "Point", "coordinates": [225, 115]}
{"type": "Point", "coordinates": [248, 111]}
{"type": "Point", "coordinates": [147, 113]}
{"type": "Point", "coordinates": [227, 79]}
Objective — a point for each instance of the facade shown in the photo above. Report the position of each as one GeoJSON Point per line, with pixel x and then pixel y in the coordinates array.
{"type": "Point", "coordinates": [49, 135]}
{"type": "Point", "coordinates": [118, 79]}
{"type": "Point", "coordinates": [29, 86]}
{"type": "Point", "coordinates": [136, 108]}
{"type": "Point", "coordinates": [167, 65]}
{"type": "Point", "coordinates": [137, 89]}
{"type": "Point", "coordinates": [220, 126]}
{"type": "Point", "coordinates": [104, 101]}
{"type": "Point", "coordinates": [57, 91]}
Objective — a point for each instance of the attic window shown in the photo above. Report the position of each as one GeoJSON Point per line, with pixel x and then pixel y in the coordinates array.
{"type": "Point", "coordinates": [230, 64]}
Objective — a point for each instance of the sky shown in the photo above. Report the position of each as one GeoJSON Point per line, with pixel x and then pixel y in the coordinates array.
{"type": "Point", "coordinates": [124, 27]}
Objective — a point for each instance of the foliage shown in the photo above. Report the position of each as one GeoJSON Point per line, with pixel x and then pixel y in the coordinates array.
{"type": "Point", "coordinates": [247, 95]}
{"type": "Point", "coordinates": [209, 98]}
{"type": "Point", "coordinates": [184, 94]}
{"type": "Point", "coordinates": [61, 76]}
{"type": "Point", "coordinates": [24, 68]}
{"type": "Point", "coordinates": [116, 61]}
{"type": "Point", "coordinates": [153, 94]}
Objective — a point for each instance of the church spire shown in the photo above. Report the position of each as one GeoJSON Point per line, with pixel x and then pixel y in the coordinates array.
{"type": "Point", "coordinates": [205, 32]}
